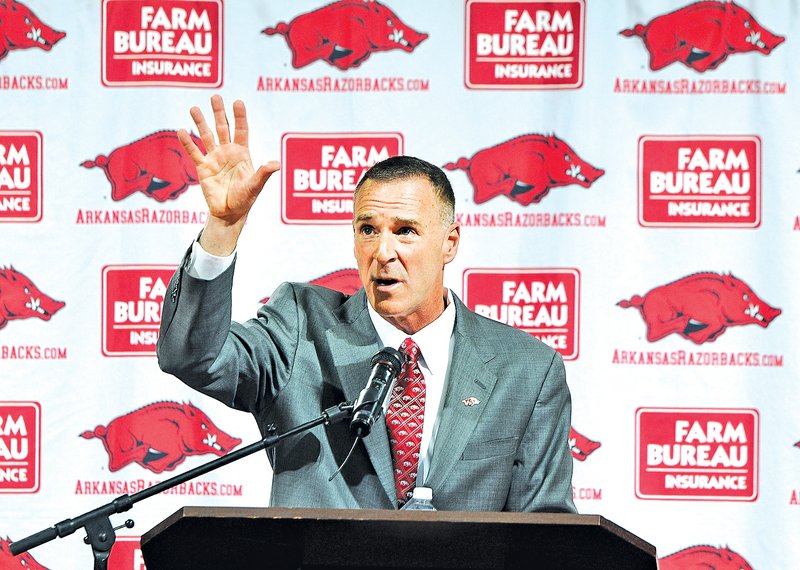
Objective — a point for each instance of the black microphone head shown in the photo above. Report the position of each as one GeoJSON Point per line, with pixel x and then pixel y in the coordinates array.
{"type": "Point", "coordinates": [386, 366]}
{"type": "Point", "coordinates": [391, 357]}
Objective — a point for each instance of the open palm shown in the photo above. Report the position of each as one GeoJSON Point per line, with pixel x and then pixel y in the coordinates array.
{"type": "Point", "coordinates": [228, 179]}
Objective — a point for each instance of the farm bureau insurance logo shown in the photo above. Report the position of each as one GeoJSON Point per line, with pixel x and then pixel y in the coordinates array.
{"type": "Point", "coordinates": [126, 554]}
{"type": "Point", "coordinates": [162, 42]}
{"type": "Point", "coordinates": [700, 181]}
{"type": "Point", "coordinates": [542, 302]}
{"type": "Point", "coordinates": [20, 446]}
{"type": "Point", "coordinates": [704, 454]}
{"type": "Point", "coordinates": [320, 172]}
{"type": "Point", "coordinates": [524, 45]}
{"type": "Point", "coordinates": [132, 298]}
{"type": "Point", "coordinates": [20, 176]}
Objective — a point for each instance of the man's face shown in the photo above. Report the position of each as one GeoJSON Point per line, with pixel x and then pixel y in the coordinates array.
{"type": "Point", "coordinates": [401, 246]}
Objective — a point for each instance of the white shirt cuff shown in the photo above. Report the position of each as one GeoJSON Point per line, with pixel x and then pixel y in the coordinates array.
{"type": "Point", "coordinates": [205, 266]}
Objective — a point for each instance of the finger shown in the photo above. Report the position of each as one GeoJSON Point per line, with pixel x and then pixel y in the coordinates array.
{"type": "Point", "coordinates": [191, 149]}
{"type": "Point", "coordinates": [262, 175]}
{"type": "Point", "coordinates": [221, 120]}
{"type": "Point", "coordinates": [240, 129]}
{"type": "Point", "coordinates": [203, 129]}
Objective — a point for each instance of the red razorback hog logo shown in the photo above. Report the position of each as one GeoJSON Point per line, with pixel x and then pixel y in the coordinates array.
{"type": "Point", "coordinates": [155, 165]}
{"type": "Point", "coordinates": [705, 558]}
{"type": "Point", "coordinates": [346, 281]}
{"type": "Point", "coordinates": [525, 169]}
{"type": "Point", "coordinates": [21, 29]}
{"type": "Point", "coordinates": [160, 436]}
{"type": "Point", "coordinates": [700, 307]}
{"type": "Point", "coordinates": [345, 33]}
{"type": "Point", "coordinates": [581, 446]}
{"type": "Point", "coordinates": [702, 35]}
{"type": "Point", "coordinates": [21, 299]}
{"type": "Point", "coordinates": [22, 561]}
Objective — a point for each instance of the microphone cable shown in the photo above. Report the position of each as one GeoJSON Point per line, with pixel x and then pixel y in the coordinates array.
{"type": "Point", "coordinates": [355, 442]}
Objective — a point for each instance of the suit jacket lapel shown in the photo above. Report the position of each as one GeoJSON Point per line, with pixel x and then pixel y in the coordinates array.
{"type": "Point", "coordinates": [468, 380]}
{"type": "Point", "coordinates": [353, 343]}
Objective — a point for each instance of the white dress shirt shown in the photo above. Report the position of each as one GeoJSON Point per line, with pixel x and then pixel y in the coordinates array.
{"type": "Point", "coordinates": [435, 343]}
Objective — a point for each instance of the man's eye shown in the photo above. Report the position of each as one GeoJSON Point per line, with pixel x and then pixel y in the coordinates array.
{"type": "Point", "coordinates": [367, 230]}
{"type": "Point", "coordinates": [405, 231]}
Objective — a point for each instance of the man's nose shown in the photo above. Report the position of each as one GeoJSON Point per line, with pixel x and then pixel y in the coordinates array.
{"type": "Point", "coordinates": [386, 249]}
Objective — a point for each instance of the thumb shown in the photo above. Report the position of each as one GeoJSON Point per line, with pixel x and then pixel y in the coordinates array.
{"type": "Point", "coordinates": [264, 172]}
{"type": "Point", "coordinates": [259, 179]}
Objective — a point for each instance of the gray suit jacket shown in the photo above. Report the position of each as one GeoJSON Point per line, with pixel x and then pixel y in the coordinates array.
{"type": "Point", "coordinates": [310, 348]}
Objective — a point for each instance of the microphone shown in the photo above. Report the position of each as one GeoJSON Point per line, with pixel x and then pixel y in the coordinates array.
{"type": "Point", "coordinates": [386, 365]}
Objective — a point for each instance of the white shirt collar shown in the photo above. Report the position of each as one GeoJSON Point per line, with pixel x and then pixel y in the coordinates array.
{"type": "Point", "coordinates": [433, 340]}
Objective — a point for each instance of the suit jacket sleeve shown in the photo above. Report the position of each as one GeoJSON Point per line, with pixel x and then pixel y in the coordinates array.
{"type": "Point", "coordinates": [242, 365]}
{"type": "Point", "coordinates": [542, 479]}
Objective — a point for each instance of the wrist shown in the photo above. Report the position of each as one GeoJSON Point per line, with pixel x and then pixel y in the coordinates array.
{"type": "Point", "coordinates": [220, 237]}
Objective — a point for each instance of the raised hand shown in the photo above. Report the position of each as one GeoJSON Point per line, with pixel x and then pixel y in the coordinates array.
{"type": "Point", "coordinates": [229, 182]}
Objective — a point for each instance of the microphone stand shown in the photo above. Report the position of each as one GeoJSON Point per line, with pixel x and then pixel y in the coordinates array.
{"type": "Point", "coordinates": [99, 531]}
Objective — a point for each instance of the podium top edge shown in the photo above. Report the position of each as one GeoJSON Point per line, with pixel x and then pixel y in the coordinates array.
{"type": "Point", "coordinates": [454, 517]}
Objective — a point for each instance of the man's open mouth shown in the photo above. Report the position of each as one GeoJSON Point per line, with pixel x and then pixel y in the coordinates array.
{"type": "Point", "coordinates": [385, 282]}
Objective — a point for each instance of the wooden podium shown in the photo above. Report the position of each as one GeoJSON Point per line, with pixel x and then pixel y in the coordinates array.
{"type": "Point", "coordinates": [218, 538]}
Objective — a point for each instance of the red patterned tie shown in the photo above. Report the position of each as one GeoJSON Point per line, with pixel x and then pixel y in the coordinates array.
{"type": "Point", "coordinates": [404, 419]}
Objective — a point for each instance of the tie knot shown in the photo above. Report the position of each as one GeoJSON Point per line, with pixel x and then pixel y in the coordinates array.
{"type": "Point", "coordinates": [410, 349]}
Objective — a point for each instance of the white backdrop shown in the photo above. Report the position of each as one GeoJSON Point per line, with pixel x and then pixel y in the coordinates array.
{"type": "Point", "coordinates": [103, 244]}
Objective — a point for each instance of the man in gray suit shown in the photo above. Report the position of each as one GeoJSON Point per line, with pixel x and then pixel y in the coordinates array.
{"type": "Point", "coordinates": [495, 408]}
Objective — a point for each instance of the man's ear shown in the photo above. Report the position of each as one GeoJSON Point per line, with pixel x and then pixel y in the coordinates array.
{"type": "Point", "coordinates": [450, 246]}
